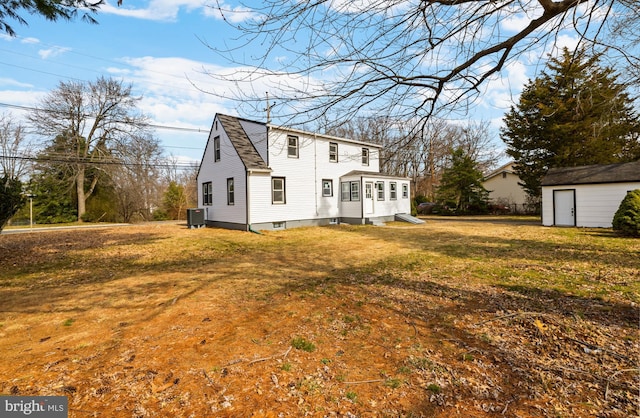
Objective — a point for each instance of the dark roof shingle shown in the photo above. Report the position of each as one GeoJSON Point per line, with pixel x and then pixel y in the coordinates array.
{"type": "Point", "coordinates": [593, 174]}
{"type": "Point", "coordinates": [241, 142]}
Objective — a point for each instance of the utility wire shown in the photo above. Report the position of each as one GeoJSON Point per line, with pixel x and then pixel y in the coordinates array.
{"type": "Point", "coordinates": [76, 160]}
{"type": "Point", "coordinates": [151, 125]}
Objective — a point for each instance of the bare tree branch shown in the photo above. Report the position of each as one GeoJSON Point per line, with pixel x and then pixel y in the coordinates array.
{"type": "Point", "coordinates": [405, 59]}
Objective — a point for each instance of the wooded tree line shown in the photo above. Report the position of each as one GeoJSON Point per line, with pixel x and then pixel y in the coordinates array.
{"type": "Point", "coordinates": [97, 159]}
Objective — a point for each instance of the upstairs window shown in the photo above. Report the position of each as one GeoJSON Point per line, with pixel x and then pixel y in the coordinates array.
{"type": "Point", "coordinates": [207, 193]}
{"type": "Point", "coordinates": [292, 146]}
{"type": "Point", "coordinates": [365, 156]}
{"type": "Point", "coordinates": [216, 148]}
{"type": "Point", "coordinates": [393, 190]}
{"type": "Point", "coordinates": [231, 198]}
{"type": "Point", "coordinates": [278, 190]}
{"type": "Point", "coordinates": [333, 152]}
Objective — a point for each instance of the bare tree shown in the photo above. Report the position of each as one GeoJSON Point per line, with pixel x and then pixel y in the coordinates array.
{"type": "Point", "coordinates": [406, 59]}
{"type": "Point", "coordinates": [15, 148]}
{"type": "Point", "coordinates": [137, 179]}
{"type": "Point", "coordinates": [85, 121]}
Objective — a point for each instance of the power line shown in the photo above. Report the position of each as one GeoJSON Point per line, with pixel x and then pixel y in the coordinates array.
{"type": "Point", "coordinates": [75, 160]}
{"type": "Point", "coordinates": [151, 125]}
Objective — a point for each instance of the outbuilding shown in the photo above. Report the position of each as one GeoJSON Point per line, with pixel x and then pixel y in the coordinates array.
{"type": "Point", "coordinates": [587, 196]}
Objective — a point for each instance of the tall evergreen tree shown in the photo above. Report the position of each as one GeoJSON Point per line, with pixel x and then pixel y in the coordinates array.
{"type": "Point", "coordinates": [575, 113]}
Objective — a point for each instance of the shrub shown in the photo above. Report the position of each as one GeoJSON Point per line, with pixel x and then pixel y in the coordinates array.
{"type": "Point", "coordinates": [626, 221]}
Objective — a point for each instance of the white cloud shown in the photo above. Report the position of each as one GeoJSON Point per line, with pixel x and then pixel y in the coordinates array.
{"type": "Point", "coordinates": [30, 40]}
{"type": "Point", "coordinates": [4, 81]}
{"type": "Point", "coordinates": [52, 52]}
{"type": "Point", "coordinates": [167, 10]}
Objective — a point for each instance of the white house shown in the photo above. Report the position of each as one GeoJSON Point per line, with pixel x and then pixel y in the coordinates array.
{"type": "Point", "coordinates": [587, 196]}
{"type": "Point", "coordinates": [504, 189]}
{"type": "Point", "coordinates": [256, 176]}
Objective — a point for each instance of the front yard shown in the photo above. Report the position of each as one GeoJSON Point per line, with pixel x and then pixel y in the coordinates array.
{"type": "Point", "coordinates": [456, 317]}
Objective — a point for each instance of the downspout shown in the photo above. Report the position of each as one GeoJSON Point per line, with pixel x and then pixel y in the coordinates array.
{"type": "Point", "coordinates": [247, 199]}
{"type": "Point", "coordinates": [362, 197]}
{"type": "Point", "coordinates": [315, 170]}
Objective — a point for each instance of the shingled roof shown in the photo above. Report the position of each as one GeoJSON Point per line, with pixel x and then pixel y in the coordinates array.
{"type": "Point", "coordinates": [240, 140]}
{"type": "Point", "coordinates": [593, 174]}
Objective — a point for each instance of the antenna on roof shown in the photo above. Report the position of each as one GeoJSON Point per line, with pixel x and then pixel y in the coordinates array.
{"type": "Point", "coordinates": [268, 109]}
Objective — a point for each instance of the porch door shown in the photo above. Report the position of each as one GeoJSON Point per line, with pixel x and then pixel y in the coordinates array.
{"type": "Point", "coordinates": [564, 207]}
{"type": "Point", "coordinates": [368, 198]}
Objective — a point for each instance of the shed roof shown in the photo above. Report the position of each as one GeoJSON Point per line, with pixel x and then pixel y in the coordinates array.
{"type": "Point", "coordinates": [243, 145]}
{"type": "Point", "coordinates": [593, 174]}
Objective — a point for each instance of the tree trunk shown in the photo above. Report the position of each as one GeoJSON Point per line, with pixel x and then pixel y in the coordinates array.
{"type": "Point", "coordinates": [80, 192]}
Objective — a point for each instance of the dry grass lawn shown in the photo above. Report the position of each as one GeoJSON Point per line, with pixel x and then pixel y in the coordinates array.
{"type": "Point", "coordinates": [458, 317]}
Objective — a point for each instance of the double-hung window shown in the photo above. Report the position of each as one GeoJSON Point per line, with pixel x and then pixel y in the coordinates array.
{"type": "Point", "coordinates": [216, 148]}
{"type": "Point", "coordinates": [345, 191]}
{"type": "Point", "coordinates": [231, 198]}
{"type": "Point", "coordinates": [405, 190]}
{"type": "Point", "coordinates": [380, 190]}
{"type": "Point", "coordinates": [207, 193]}
{"type": "Point", "coordinates": [350, 191]}
{"type": "Point", "coordinates": [393, 190]}
{"type": "Point", "coordinates": [355, 190]}
{"type": "Point", "coordinates": [365, 156]}
{"type": "Point", "coordinates": [278, 190]}
{"type": "Point", "coordinates": [293, 146]}
{"type": "Point", "coordinates": [327, 188]}
{"type": "Point", "coordinates": [333, 152]}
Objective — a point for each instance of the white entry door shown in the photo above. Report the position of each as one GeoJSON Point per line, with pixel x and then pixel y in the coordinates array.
{"type": "Point", "coordinates": [368, 198]}
{"type": "Point", "coordinates": [564, 207]}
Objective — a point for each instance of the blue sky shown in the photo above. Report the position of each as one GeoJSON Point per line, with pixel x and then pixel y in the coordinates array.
{"type": "Point", "coordinates": [158, 46]}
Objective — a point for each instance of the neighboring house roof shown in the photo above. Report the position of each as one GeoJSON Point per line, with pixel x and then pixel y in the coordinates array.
{"type": "Point", "coordinates": [240, 140]}
{"type": "Point", "coordinates": [329, 137]}
{"type": "Point", "coordinates": [507, 168]}
{"type": "Point", "coordinates": [593, 174]}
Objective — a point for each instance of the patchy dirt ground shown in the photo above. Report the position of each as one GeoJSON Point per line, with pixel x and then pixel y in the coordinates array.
{"type": "Point", "coordinates": [447, 319]}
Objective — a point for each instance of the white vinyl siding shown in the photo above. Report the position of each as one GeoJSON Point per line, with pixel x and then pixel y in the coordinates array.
{"type": "Point", "coordinates": [229, 166]}
{"type": "Point", "coordinates": [595, 204]}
